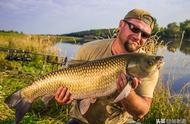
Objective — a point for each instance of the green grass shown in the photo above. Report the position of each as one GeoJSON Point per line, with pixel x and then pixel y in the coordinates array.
{"type": "Point", "coordinates": [34, 43]}
{"type": "Point", "coordinates": [165, 106]}
{"type": "Point", "coordinates": [16, 75]}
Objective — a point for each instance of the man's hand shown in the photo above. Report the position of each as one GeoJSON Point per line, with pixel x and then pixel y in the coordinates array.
{"type": "Point", "coordinates": [122, 81]}
{"type": "Point", "coordinates": [63, 96]}
{"type": "Point", "coordinates": [134, 104]}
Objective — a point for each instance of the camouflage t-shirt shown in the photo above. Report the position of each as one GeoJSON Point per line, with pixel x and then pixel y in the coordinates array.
{"type": "Point", "coordinates": [103, 111]}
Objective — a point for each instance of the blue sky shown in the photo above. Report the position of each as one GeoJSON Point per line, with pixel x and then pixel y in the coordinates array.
{"type": "Point", "coordinates": [65, 16]}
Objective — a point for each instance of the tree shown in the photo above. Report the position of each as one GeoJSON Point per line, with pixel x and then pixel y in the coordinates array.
{"type": "Point", "coordinates": [185, 26]}
{"type": "Point", "coordinates": [173, 30]}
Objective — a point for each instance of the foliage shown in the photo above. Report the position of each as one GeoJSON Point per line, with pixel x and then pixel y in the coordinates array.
{"type": "Point", "coordinates": [165, 106]}
{"type": "Point", "coordinates": [185, 26]}
{"type": "Point", "coordinates": [172, 30]}
{"type": "Point", "coordinates": [16, 75]}
{"type": "Point", "coordinates": [40, 43]}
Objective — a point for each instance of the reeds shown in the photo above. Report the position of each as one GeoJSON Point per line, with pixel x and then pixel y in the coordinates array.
{"type": "Point", "coordinates": [34, 43]}
{"type": "Point", "coordinates": [166, 105]}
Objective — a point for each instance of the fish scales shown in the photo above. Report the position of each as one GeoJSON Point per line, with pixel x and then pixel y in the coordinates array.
{"type": "Point", "coordinates": [82, 81]}
{"type": "Point", "coordinates": [86, 80]}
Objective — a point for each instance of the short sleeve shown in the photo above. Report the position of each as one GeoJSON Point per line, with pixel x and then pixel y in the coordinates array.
{"type": "Point", "coordinates": [80, 53]}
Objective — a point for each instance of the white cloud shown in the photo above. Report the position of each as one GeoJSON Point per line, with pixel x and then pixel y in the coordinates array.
{"type": "Point", "coordinates": [63, 16]}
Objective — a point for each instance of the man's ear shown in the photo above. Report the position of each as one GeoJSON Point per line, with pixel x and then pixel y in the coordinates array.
{"type": "Point", "coordinates": [121, 25]}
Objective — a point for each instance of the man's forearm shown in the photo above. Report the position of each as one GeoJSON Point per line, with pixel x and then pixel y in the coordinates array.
{"type": "Point", "coordinates": [136, 105]}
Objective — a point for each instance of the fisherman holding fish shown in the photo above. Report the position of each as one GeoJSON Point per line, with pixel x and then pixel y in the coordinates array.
{"type": "Point", "coordinates": [111, 81]}
{"type": "Point", "coordinates": [133, 31]}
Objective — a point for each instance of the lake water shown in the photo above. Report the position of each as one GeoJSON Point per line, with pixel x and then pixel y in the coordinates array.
{"type": "Point", "coordinates": [175, 72]}
{"type": "Point", "coordinates": [67, 49]}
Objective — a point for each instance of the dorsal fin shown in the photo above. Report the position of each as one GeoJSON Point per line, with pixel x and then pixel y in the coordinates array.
{"type": "Point", "coordinates": [71, 62]}
{"type": "Point", "coordinates": [74, 62]}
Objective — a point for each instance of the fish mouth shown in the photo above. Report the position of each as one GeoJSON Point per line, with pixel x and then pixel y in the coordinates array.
{"type": "Point", "coordinates": [160, 62]}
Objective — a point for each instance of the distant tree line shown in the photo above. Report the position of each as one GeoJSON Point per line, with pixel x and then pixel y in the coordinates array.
{"type": "Point", "coordinates": [101, 33]}
{"type": "Point", "coordinates": [172, 30]}
{"type": "Point", "coordinates": [11, 31]}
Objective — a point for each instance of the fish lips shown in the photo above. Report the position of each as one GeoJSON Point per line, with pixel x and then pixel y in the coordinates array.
{"type": "Point", "coordinates": [161, 62]}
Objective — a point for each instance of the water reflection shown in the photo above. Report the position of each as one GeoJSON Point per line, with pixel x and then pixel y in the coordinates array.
{"type": "Point", "coordinates": [174, 44]}
{"type": "Point", "coordinates": [175, 73]}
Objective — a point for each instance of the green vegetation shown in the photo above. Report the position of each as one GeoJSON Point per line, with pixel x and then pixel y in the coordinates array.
{"type": "Point", "coordinates": [165, 106]}
{"type": "Point", "coordinates": [173, 30]}
{"type": "Point", "coordinates": [106, 33]}
{"type": "Point", "coordinates": [15, 75]}
{"type": "Point", "coordinates": [40, 43]}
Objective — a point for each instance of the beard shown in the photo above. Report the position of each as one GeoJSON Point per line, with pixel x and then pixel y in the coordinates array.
{"type": "Point", "coordinates": [131, 46]}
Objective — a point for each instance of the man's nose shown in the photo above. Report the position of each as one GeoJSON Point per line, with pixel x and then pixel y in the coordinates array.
{"type": "Point", "coordinates": [137, 36]}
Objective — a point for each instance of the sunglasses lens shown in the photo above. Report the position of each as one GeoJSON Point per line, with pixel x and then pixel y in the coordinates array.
{"type": "Point", "coordinates": [145, 35]}
{"type": "Point", "coordinates": [135, 29]}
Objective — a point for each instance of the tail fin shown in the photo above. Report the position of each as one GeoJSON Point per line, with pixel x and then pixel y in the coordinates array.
{"type": "Point", "coordinates": [22, 105]}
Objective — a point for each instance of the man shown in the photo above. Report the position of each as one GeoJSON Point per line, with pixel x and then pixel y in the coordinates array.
{"type": "Point", "coordinates": [133, 32]}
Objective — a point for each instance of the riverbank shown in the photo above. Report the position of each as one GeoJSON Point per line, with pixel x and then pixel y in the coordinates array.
{"type": "Point", "coordinates": [15, 75]}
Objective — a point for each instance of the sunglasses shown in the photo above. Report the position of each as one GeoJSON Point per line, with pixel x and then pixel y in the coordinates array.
{"type": "Point", "coordinates": [135, 29]}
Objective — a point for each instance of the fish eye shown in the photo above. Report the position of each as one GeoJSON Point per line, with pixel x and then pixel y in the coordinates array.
{"type": "Point", "coordinates": [150, 62]}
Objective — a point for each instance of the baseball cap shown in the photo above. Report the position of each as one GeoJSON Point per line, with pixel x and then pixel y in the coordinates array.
{"type": "Point", "coordinates": [141, 15]}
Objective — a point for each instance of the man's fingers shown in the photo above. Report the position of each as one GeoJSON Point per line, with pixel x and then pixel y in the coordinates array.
{"type": "Point", "coordinates": [66, 97]}
{"type": "Point", "coordinates": [62, 94]}
{"type": "Point", "coordinates": [58, 92]}
{"type": "Point", "coordinates": [124, 80]}
{"type": "Point", "coordinates": [135, 82]}
{"type": "Point", "coordinates": [69, 101]}
{"type": "Point", "coordinates": [121, 81]}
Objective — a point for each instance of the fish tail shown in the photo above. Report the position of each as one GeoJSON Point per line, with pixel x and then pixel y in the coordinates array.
{"type": "Point", "coordinates": [21, 104]}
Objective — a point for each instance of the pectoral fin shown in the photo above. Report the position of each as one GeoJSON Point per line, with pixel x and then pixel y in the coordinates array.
{"type": "Point", "coordinates": [46, 99]}
{"type": "Point", "coordinates": [85, 104]}
{"type": "Point", "coordinates": [124, 93]}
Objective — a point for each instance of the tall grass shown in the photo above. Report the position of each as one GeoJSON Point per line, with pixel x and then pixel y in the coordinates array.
{"type": "Point", "coordinates": [27, 42]}
{"type": "Point", "coordinates": [35, 43]}
{"type": "Point", "coordinates": [167, 106]}
{"type": "Point", "coordinates": [14, 75]}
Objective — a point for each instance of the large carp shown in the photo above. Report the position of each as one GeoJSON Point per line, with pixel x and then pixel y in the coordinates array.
{"type": "Point", "coordinates": [86, 80]}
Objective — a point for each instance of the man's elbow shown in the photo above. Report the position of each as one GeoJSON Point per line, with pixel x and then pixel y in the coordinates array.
{"type": "Point", "coordinates": [141, 114]}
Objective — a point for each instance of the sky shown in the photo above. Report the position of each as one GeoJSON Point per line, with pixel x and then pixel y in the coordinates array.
{"type": "Point", "coordinates": [66, 16]}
